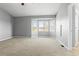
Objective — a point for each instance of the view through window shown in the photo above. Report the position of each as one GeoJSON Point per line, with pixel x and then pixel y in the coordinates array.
{"type": "Point", "coordinates": [43, 27]}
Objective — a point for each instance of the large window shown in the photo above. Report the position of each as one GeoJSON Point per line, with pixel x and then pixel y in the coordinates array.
{"type": "Point", "coordinates": [43, 26]}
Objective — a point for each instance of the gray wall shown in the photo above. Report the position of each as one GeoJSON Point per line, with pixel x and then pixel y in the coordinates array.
{"type": "Point", "coordinates": [5, 25]}
{"type": "Point", "coordinates": [62, 34]}
{"type": "Point", "coordinates": [22, 25]}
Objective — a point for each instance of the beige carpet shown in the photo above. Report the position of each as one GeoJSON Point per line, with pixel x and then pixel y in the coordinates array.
{"type": "Point", "coordinates": [21, 46]}
{"type": "Point", "coordinates": [75, 50]}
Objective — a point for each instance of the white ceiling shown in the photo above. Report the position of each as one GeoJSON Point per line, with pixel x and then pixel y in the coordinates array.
{"type": "Point", "coordinates": [30, 9]}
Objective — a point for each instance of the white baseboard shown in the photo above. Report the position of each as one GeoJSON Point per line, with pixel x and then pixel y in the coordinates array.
{"type": "Point", "coordinates": [6, 38]}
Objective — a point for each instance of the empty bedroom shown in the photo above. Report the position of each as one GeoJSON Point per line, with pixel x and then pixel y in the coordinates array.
{"type": "Point", "coordinates": [38, 29]}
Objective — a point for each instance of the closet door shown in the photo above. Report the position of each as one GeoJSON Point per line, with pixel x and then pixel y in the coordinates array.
{"type": "Point", "coordinates": [76, 29]}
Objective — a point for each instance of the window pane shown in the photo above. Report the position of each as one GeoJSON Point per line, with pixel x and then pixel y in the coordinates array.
{"type": "Point", "coordinates": [43, 26]}
{"type": "Point", "coordinates": [34, 26]}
